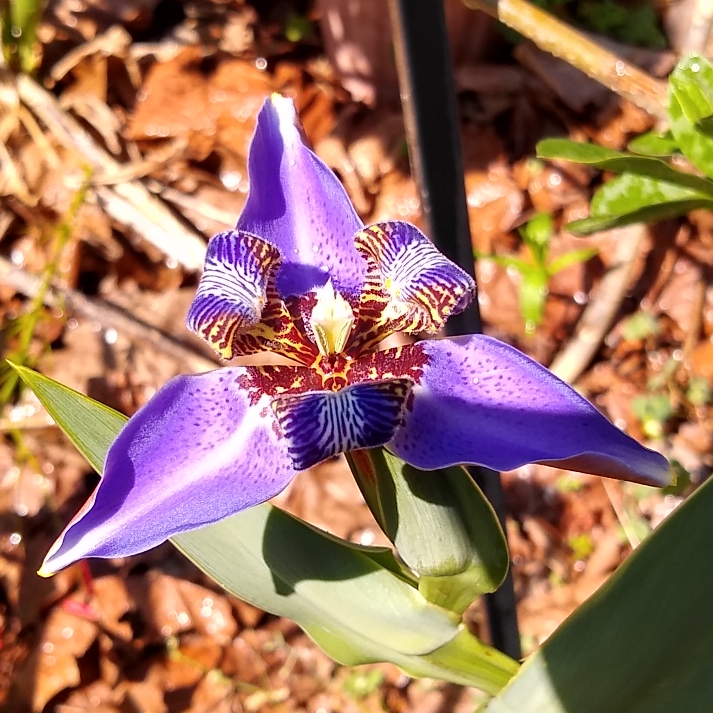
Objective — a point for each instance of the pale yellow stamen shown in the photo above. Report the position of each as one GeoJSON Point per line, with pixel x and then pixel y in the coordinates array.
{"type": "Point", "coordinates": [331, 320]}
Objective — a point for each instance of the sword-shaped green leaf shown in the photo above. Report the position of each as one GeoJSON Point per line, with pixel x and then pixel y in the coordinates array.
{"type": "Point", "coordinates": [644, 642]}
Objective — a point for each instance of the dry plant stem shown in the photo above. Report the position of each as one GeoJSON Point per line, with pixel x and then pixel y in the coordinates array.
{"type": "Point", "coordinates": [694, 333]}
{"type": "Point", "coordinates": [561, 40]}
{"type": "Point", "coordinates": [699, 28]}
{"type": "Point", "coordinates": [617, 503]}
{"type": "Point", "coordinates": [599, 314]}
{"type": "Point", "coordinates": [207, 210]}
{"type": "Point", "coordinates": [107, 314]}
{"type": "Point", "coordinates": [131, 203]}
{"type": "Point", "coordinates": [62, 237]}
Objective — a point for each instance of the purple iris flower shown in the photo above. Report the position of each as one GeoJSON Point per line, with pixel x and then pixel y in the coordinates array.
{"type": "Point", "coordinates": [302, 277]}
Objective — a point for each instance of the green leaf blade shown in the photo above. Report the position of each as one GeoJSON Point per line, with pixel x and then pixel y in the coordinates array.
{"type": "Point", "coordinates": [690, 108]}
{"type": "Point", "coordinates": [632, 198]}
{"type": "Point", "coordinates": [653, 144]}
{"type": "Point", "coordinates": [573, 257]}
{"type": "Point", "coordinates": [619, 162]}
{"type": "Point", "coordinates": [91, 429]}
{"type": "Point", "coordinates": [644, 642]}
{"type": "Point", "coordinates": [442, 525]}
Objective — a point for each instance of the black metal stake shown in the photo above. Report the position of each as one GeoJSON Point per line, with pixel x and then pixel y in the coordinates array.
{"type": "Point", "coordinates": [428, 97]}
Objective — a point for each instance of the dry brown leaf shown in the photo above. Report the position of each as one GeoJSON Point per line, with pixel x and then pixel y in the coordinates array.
{"type": "Point", "coordinates": [213, 693]}
{"type": "Point", "coordinates": [143, 697]}
{"type": "Point", "coordinates": [161, 603]}
{"type": "Point", "coordinates": [398, 199]}
{"type": "Point", "coordinates": [701, 359]}
{"type": "Point", "coordinates": [210, 613]}
{"type": "Point", "coordinates": [327, 496]}
{"type": "Point", "coordinates": [212, 104]}
{"type": "Point", "coordinates": [111, 602]}
{"type": "Point", "coordinates": [97, 697]}
{"type": "Point", "coordinates": [495, 203]}
{"type": "Point", "coordinates": [248, 615]}
{"type": "Point", "coordinates": [65, 638]}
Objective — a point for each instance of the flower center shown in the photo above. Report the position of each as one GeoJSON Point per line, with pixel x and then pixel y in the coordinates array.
{"type": "Point", "coordinates": [331, 320]}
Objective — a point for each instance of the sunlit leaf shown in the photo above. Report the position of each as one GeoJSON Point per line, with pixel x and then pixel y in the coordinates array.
{"type": "Point", "coordinates": [640, 326]}
{"type": "Point", "coordinates": [653, 144]}
{"type": "Point", "coordinates": [644, 642]}
{"type": "Point", "coordinates": [630, 198]}
{"type": "Point", "coordinates": [442, 525]}
{"type": "Point", "coordinates": [533, 294]}
{"type": "Point", "coordinates": [692, 83]}
{"type": "Point", "coordinates": [536, 234]}
{"type": "Point", "coordinates": [619, 162]}
{"type": "Point", "coordinates": [696, 145]}
{"type": "Point", "coordinates": [573, 257]}
{"type": "Point", "coordinates": [690, 107]}
{"type": "Point", "coordinates": [522, 266]}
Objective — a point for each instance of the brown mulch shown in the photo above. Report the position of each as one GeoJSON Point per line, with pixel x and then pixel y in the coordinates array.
{"type": "Point", "coordinates": [170, 91]}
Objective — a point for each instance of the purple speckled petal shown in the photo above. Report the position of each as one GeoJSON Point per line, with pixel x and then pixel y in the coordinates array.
{"type": "Point", "coordinates": [482, 402]}
{"type": "Point", "coordinates": [298, 204]}
{"type": "Point", "coordinates": [197, 452]}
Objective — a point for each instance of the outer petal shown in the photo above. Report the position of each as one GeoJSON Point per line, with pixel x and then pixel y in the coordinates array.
{"type": "Point", "coordinates": [483, 402]}
{"type": "Point", "coordinates": [298, 204]}
{"type": "Point", "coordinates": [197, 452]}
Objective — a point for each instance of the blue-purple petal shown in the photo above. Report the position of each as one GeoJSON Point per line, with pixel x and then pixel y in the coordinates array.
{"type": "Point", "coordinates": [233, 289]}
{"type": "Point", "coordinates": [197, 452]}
{"type": "Point", "coordinates": [482, 402]}
{"type": "Point", "coordinates": [321, 424]}
{"type": "Point", "coordinates": [297, 204]}
{"type": "Point", "coordinates": [424, 286]}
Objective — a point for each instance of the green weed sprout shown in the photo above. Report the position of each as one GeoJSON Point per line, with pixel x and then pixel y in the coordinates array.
{"type": "Point", "coordinates": [537, 272]}
{"type": "Point", "coordinates": [19, 20]}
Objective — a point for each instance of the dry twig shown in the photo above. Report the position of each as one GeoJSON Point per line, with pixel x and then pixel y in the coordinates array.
{"type": "Point", "coordinates": [561, 40]}
{"type": "Point", "coordinates": [130, 203]}
{"type": "Point", "coordinates": [107, 314]}
{"type": "Point", "coordinates": [599, 314]}
{"type": "Point", "coordinates": [699, 26]}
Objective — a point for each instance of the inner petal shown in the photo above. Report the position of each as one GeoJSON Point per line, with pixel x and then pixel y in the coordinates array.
{"type": "Point", "coordinates": [410, 285]}
{"type": "Point", "coordinates": [237, 309]}
{"type": "Point", "coordinates": [320, 424]}
{"type": "Point", "coordinates": [231, 295]}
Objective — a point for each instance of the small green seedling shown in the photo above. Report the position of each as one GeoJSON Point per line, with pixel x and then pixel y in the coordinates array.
{"type": "Point", "coordinates": [698, 392]}
{"type": "Point", "coordinates": [650, 187]}
{"type": "Point", "coordinates": [536, 272]}
{"type": "Point", "coordinates": [640, 326]}
{"type": "Point", "coordinates": [581, 545]}
{"type": "Point", "coordinates": [361, 684]}
{"type": "Point", "coordinates": [653, 411]}
{"type": "Point", "coordinates": [297, 27]}
{"type": "Point", "coordinates": [18, 33]}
